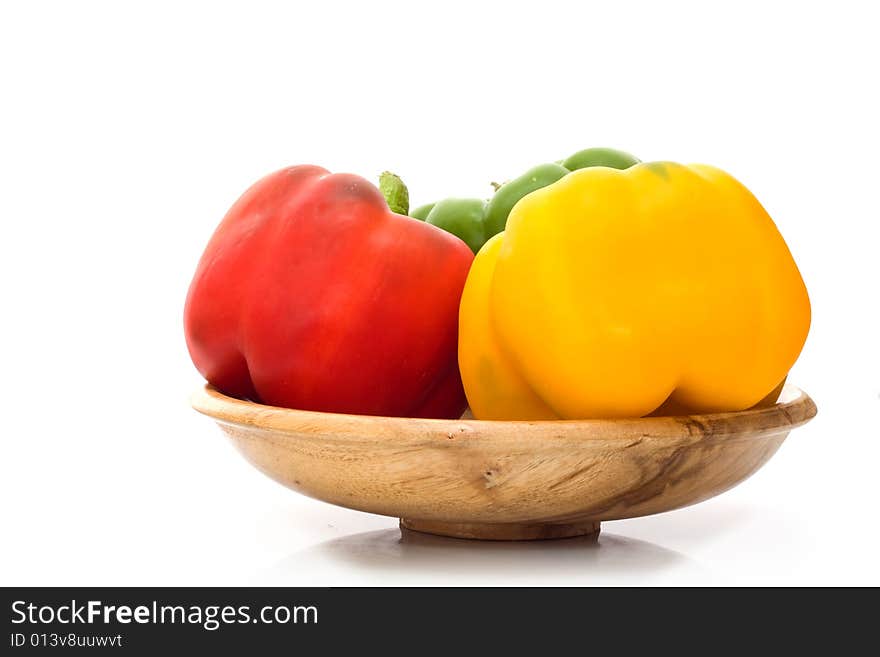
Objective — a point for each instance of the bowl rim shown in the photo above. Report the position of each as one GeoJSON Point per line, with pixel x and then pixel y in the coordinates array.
{"type": "Point", "coordinates": [794, 408]}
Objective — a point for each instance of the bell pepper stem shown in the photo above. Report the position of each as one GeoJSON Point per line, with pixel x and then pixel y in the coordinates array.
{"type": "Point", "coordinates": [395, 192]}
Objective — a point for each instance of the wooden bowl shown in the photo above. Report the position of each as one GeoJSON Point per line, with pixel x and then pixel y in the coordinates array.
{"type": "Point", "coordinates": [506, 480]}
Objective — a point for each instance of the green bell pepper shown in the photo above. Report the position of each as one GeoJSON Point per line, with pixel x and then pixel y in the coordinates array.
{"type": "Point", "coordinates": [509, 193]}
{"type": "Point", "coordinates": [475, 220]}
{"type": "Point", "coordinates": [421, 213]}
{"type": "Point", "coordinates": [600, 157]}
{"type": "Point", "coordinates": [463, 217]}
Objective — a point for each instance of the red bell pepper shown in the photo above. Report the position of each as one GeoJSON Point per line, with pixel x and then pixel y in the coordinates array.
{"type": "Point", "coordinates": [312, 294]}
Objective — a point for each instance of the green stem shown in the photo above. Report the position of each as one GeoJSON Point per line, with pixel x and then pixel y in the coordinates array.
{"type": "Point", "coordinates": [395, 192]}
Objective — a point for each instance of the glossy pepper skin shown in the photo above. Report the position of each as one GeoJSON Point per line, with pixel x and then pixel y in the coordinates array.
{"type": "Point", "coordinates": [312, 294]}
{"type": "Point", "coordinates": [463, 217]}
{"type": "Point", "coordinates": [475, 220]}
{"type": "Point", "coordinates": [600, 157]}
{"type": "Point", "coordinates": [421, 213]}
{"type": "Point", "coordinates": [511, 192]}
{"type": "Point", "coordinates": [611, 292]}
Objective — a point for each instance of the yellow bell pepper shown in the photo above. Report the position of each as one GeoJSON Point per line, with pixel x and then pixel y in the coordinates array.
{"type": "Point", "coordinates": [611, 292]}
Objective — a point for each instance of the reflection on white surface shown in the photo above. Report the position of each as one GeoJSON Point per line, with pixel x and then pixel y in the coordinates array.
{"type": "Point", "coordinates": [719, 541]}
{"type": "Point", "coordinates": [401, 556]}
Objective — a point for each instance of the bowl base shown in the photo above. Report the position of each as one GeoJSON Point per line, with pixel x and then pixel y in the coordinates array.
{"type": "Point", "coordinates": [502, 531]}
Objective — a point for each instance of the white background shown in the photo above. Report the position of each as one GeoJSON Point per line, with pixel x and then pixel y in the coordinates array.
{"type": "Point", "coordinates": [126, 131]}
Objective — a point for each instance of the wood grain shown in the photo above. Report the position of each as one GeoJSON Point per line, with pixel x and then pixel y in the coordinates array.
{"type": "Point", "coordinates": [505, 480]}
